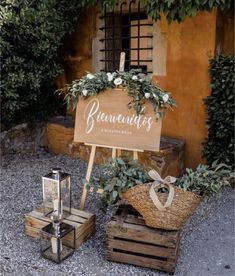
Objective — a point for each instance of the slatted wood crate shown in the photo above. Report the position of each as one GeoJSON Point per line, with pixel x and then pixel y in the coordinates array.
{"type": "Point", "coordinates": [83, 222]}
{"type": "Point", "coordinates": [130, 241]}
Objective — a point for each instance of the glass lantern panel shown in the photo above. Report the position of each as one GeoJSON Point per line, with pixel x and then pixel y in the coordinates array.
{"type": "Point", "coordinates": [57, 248]}
{"type": "Point", "coordinates": [65, 195]}
{"type": "Point", "coordinates": [50, 194]}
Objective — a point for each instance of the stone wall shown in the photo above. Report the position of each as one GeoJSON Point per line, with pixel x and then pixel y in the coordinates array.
{"type": "Point", "coordinates": [168, 161]}
{"type": "Point", "coordinates": [23, 138]}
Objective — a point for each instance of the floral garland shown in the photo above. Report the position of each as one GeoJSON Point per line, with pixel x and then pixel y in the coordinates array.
{"type": "Point", "coordinates": [138, 86]}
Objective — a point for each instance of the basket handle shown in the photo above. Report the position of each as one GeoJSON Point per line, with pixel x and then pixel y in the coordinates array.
{"type": "Point", "coordinates": [160, 183]}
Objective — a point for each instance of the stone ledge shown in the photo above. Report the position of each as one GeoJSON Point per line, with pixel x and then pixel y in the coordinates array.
{"type": "Point", "coordinates": [168, 161]}
{"type": "Point", "coordinates": [23, 138]}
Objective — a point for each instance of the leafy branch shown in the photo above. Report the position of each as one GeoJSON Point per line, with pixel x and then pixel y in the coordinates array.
{"type": "Point", "coordinates": [138, 86]}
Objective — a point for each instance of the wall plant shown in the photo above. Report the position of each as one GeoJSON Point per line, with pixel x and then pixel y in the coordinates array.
{"type": "Point", "coordinates": [220, 109]}
{"type": "Point", "coordinates": [174, 10]}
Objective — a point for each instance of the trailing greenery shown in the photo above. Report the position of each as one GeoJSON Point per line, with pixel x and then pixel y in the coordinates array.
{"type": "Point", "coordinates": [178, 10]}
{"type": "Point", "coordinates": [138, 86]}
{"type": "Point", "coordinates": [31, 34]}
{"type": "Point", "coordinates": [206, 181]}
{"type": "Point", "coordinates": [175, 10]}
{"type": "Point", "coordinates": [220, 108]}
{"type": "Point", "coordinates": [121, 174]}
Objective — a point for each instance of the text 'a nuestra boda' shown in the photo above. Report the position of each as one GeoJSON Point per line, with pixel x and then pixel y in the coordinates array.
{"type": "Point", "coordinates": [93, 114]}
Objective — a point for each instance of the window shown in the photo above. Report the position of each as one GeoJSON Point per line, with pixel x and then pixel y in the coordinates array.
{"type": "Point", "coordinates": [126, 29]}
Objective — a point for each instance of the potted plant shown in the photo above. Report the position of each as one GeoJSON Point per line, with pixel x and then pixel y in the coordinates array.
{"type": "Point", "coordinates": [164, 203]}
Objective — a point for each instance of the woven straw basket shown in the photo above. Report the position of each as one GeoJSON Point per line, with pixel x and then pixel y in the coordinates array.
{"type": "Point", "coordinates": [168, 211]}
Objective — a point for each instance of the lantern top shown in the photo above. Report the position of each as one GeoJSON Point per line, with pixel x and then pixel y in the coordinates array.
{"type": "Point", "coordinates": [56, 170]}
{"type": "Point", "coordinates": [56, 174]}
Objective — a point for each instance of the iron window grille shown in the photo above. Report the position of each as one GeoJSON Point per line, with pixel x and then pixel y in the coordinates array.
{"type": "Point", "coordinates": [125, 31]}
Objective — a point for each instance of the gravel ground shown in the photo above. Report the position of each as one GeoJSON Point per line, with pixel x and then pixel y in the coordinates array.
{"type": "Point", "coordinates": [207, 246]}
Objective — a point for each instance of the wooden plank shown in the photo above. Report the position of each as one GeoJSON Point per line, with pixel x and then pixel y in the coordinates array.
{"type": "Point", "coordinates": [136, 233]}
{"type": "Point", "coordinates": [140, 261]}
{"type": "Point", "coordinates": [81, 213]}
{"type": "Point", "coordinates": [116, 147]}
{"type": "Point", "coordinates": [76, 219]}
{"type": "Point", "coordinates": [32, 231]}
{"type": "Point", "coordinates": [131, 246]}
{"type": "Point", "coordinates": [82, 237]}
{"type": "Point", "coordinates": [88, 176]}
{"type": "Point", "coordinates": [135, 155]}
{"type": "Point", "coordinates": [130, 219]}
{"type": "Point", "coordinates": [35, 222]}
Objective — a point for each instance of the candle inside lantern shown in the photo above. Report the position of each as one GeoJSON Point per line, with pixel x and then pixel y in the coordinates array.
{"type": "Point", "coordinates": [54, 245]}
{"type": "Point", "coordinates": [58, 208]}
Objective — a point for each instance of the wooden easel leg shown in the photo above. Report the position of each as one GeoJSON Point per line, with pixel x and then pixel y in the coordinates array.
{"type": "Point", "coordinates": [114, 153]}
{"type": "Point", "coordinates": [88, 176]}
{"type": "Point", "coordinates": [135, 155]}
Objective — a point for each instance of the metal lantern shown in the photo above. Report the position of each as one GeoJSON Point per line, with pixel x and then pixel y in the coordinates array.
{"type": "Point", "coordinates": [56, 193]}
{"type": "Point", "coordinates": [57, 241]}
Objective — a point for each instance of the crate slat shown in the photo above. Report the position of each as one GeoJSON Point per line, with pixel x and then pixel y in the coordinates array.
{"type": "Point", "coordinates": [141, 261]}
{"type": "Point", "coordinates": [146, 249]}
{"type": "Point", "coordinates": [138, 233]}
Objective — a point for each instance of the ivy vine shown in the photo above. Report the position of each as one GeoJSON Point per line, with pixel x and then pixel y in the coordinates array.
{"type": "Point", "coordinates": [174, 10]}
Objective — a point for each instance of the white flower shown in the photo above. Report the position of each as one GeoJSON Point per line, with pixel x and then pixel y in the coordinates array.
{"type": "Point", "coordinates": [118, 81]}
{"type": "Point", "coordinates": [134, 77]}
{"type": "Point", "coordinates": [84, 92]}
{"type": "Point", "coordinates": [165, 98]}
{"type": "Point", "coordinates": [110, 76]}
{"type": "Point", "coordinates": [158, 115]}
{"type": "Point", "coordinates": [90, 76]}
{"type": "Point", "coordinates": [147, 95]}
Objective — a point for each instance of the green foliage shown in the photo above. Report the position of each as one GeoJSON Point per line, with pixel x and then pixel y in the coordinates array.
{"type": "Point", "coordinates": [31, 34]}
{"type": "Point", "coordinates": [206, 181]}
{"type": "Point", "coordinates": [139, 87]}
{"type": "Point", "coordinates": [220, 108]}
{"type": "Point", "coordinates": [178, 10]}
{"type": "Point", "coordinates": [120, 174]}
{"type": "Point", "coordinates": [174, 10]}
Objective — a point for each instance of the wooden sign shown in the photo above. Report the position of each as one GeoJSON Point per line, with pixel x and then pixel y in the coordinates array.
{"type": "Point", "coordinates": [106, 120]}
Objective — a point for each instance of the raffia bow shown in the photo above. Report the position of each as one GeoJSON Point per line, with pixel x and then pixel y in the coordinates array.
{"type": "Point", "coordinates": [161, 183]}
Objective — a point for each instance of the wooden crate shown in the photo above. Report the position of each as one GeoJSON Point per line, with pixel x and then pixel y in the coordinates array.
{"type": "Point", "coordinates": [83, 222]}
{"type": "Point", "coordinates": [130, 241]}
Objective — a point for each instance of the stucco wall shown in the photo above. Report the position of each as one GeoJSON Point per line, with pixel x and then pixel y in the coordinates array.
{"type": "Point", "coordinates": [189, 47]}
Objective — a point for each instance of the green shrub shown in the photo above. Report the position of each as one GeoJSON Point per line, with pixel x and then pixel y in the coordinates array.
{"type": "Point", "coordinates": [220, 108]}
{"type": "Point", "coordinates": [31, 34]}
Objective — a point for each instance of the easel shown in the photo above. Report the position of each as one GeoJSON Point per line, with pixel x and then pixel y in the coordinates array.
{"type": "Point", "coordinates": [116, 151]}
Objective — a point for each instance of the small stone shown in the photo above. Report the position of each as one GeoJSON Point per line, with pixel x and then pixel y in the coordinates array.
{"type": "Point", "coordinates": [227, 266]}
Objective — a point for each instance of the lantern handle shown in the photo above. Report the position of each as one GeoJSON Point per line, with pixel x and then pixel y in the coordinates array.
{"type": "Point", "coordinates": [56, 170]}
